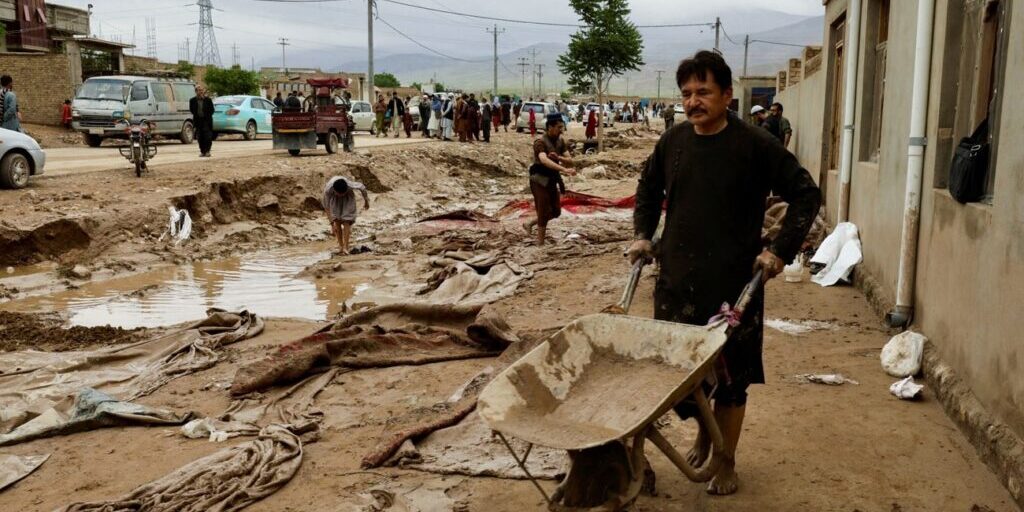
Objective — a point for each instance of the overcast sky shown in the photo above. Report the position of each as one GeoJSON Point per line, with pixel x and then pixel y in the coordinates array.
{"type": "Point", "coordinates": [255, 26]}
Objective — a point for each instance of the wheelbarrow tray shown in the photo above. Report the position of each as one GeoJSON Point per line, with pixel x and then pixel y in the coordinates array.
{"type": "Point", "coordinates": [602, 377]}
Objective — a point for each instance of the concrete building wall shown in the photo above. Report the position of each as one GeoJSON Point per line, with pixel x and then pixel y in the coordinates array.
{"type": "Point", "coordinates": [804, 105]}
{"type": "Point", "coordinates": [971, 264]}
{"type": "Point", "coordinates": [42, 82]}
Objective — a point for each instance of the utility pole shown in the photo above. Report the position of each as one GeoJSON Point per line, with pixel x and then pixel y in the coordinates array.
{"type": "Point", "coordinates": [188, 50]}
{"type": "Point", "coordinates": [540, 80]}
{"type": "Point", "coordinates": [627, 86]}
{"type": "Point", "coordinates": [533, 69]}
{"type": "Point", "coordinates": [495, 32]}
{"type": "Point", "coordinates": [283, 41]}
{"type": "Point", "coordinates": [253, 67]}
{"type": "Point", "coordinates": [234, 55]}
{"type": "Point", "coordinates": [369, 45]}
{"type": "Point", "coordinates": [746, 49]}
{"type": "Point", "coordinates": [523, 64]}
{"type": "Point", "coordinates": [718, 28]}
{"type": "Point", "coordinates": [659, 72]}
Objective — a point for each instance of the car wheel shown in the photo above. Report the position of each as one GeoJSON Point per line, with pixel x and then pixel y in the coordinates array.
{"type": "Point", "coordinates": [332, 143]}
{"type": "Point", "coordinates": [93, 141]}
{"type": "Point", "coordinates": [373, 130]}
{"type": "Point", "coordinates": [293, 152]}
{"type": "Point", "coordinates": [14, 170]}
{"type": "Point", "coordinates": [250, 130]}
{"type": "Point", "coordinates": [188, 133]}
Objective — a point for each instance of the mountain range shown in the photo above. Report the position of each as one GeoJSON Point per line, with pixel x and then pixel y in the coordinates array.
{"type": "Point", "coordinates": [663, 48]}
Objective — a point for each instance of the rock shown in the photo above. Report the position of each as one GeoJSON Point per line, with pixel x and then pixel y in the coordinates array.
{"type": "Point", "coordinates": [80, 272]}
{"type": "Point", "coordinates": [268, 201]}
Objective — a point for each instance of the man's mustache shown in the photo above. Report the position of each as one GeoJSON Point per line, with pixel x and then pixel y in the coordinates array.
{"type": "Point", "coordinates": [695, 111]}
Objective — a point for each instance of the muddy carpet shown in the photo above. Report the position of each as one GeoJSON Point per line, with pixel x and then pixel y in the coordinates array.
{"type": "Point", "coordinates": [225, 481]}
{"type": "Point", "coordinates": [390, 335]}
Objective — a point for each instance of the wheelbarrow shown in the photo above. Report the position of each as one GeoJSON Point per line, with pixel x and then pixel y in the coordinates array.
{"type": "Point", "coordinates": [596, 389]}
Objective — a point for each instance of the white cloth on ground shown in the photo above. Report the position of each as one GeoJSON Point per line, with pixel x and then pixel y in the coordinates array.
{"type": "Point", "coordinates": [840, 252]}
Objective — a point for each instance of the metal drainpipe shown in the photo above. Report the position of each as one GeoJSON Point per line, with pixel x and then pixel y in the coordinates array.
{"type": "Point", "coordinates": [903, 313]}
{"type": "Point", "coordinates": [852, 55]}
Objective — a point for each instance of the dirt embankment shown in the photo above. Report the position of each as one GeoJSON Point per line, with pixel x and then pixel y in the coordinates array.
{"type": "Point", "coordinates": [20, 331]}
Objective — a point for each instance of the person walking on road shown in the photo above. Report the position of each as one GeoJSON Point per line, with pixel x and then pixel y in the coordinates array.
{"type": "Point", "coordinates": [448, 117]}
{"type": "Point", "coordinates": [378, 110]}
{"type": "Point", "coordinates": [669, 115]}
{"type": "Point", "coordinates": [459, 117]}
{"type": "Point", "coordinates": [396, 110]}
{"type": "Point", "coordinates": [340, 205]}
{"type": "Point", "coordinates": [486, 114]}
{"type": "Point", "coordinates": [506, 113]}
{"type": "Point", "coordinates": [550, 161]}
{"type": "Point", "coordinates": [435, 118]}
{"type": "Point", "coordinates": [716, 171]}
{"type": "Point", "coordinates": [425, 119]}
{"type": "Point", "coordinates": [10, 116]}
{"type": "Point", "coordinates": [472, 119]}
{"type": "Point", "coordinates": [201, 107]}
{"type": "Point", "coordinates": [591, 124]}
{"type": "Point", "coordinates": [495, 113]}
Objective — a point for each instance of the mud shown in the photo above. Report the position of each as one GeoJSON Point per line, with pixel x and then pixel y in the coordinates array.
{"type": "Point", "coordinates": [20, 331]}
{"type": "Point", "coordinates": [870, 439]}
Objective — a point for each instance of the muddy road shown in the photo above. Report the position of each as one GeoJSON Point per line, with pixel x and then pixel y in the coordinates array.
{"type": "Point", "coordinates": [83, 251]}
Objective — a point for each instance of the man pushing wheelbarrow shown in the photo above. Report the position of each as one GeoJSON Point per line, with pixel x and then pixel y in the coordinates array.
{"type": "Point", "coordinates": [716, 172]}
{"type": "Point", "coordinates": [597, 387]}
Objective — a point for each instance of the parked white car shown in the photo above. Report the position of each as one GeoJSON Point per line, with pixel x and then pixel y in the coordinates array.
{"type": "Point", "coordinates": [595, 107]}
{"type": "Point", "coordinates": [680, 115]}
{"type": "Point", "coordinates": [541, 111]}
{"type": "Point", "coordinates": [20, 157]}
{"type": "Point", "coordinates": [363, 116]}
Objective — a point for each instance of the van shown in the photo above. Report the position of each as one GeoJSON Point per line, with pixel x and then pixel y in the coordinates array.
{"type": "Point", "coordinates": [103, 100]}
{"type": "Point", "coordinates": [540, 110]}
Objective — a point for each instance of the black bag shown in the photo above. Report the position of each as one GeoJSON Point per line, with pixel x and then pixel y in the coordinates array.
{"type": "Point", "coordinates": [969, 169]}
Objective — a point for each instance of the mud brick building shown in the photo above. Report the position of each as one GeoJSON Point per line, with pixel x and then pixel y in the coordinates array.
{"type": "Point", "coordinates": [876, 119]}
{"type": "Point", "coordinates": [47, 49]}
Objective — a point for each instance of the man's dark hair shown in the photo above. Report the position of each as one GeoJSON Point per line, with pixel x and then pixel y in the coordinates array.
{"type": "Point", "coordinates": [777, 104]}
{"type": "Point", "coordinates": [700, 65]}
{"type": "Point", "coordinates": [553, 119]}
{"type": "Point", "coordinates": [6, 80]}
{"type": "Point", "coordinates": [340, 186]}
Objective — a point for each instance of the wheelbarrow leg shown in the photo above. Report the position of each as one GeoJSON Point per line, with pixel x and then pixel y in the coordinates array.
{"type": "Point", "coordinates": [707, 417]}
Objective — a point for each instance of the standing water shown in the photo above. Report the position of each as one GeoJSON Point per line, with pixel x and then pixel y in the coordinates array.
{"type": "Point", "coordinates": [266, 283]}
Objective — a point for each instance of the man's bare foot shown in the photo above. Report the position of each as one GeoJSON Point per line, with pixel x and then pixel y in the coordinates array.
{"type": "Point", "coordinates": [726, 481]}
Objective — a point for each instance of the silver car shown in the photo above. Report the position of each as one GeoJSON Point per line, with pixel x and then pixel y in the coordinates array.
{"type": "Point", "coordinates": [20, 157]}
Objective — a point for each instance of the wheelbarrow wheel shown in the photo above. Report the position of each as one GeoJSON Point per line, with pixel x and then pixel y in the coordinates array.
{"type": "Point", "coordinates": [606, 477]}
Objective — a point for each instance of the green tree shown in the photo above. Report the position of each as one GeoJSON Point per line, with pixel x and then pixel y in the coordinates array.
{"type": "Point", "coordinates": [607, 45]}
{"type": "Point", "coordinates": [185, 69]}
{"type": "Point", "coordinates": [385, 80]}
{"type": "Point", "coordinates": [235, 80]}
{"type": "Point", "coordinates": [416, 85]}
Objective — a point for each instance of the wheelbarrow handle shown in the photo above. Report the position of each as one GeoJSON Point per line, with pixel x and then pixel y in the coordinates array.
{"type": "Point", "coordinates": [750, 290]}
{"type": "Point", "coordinates": [622, 307]}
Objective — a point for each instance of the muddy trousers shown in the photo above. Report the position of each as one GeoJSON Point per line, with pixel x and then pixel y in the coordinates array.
{"type": "Point", "coordinates": [205, 137]}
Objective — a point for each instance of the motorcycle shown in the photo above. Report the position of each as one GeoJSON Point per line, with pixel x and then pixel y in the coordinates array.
{"type": "Point", "coordinates": [140, 148]}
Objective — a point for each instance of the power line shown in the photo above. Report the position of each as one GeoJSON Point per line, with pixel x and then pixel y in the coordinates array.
{"type": "Point", "coordinates": [778, 43]}
{"type": "Point", "coordinates": [726, 34]}
{"type": "Point", "coordinates": [507, 20]}
{"type": "Point", "coordinates": [421, 45]}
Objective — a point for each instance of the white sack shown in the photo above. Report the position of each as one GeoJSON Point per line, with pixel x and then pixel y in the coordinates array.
{"type": "Point", "coordinates": [840, 252]}
{"type": "Point", "coordinates": [901, 357]}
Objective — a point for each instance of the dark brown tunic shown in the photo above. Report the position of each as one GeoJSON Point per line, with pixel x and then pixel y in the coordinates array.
{"type": "Point", "coordinates": [716, 186]}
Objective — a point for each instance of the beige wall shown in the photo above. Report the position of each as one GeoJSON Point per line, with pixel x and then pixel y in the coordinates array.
{"type": "Point", "coordinates": [804, 104]}
{"type": "Point", "coordinates": [42, 82]}
{"type": "Point", "coordinates": [971, 264]}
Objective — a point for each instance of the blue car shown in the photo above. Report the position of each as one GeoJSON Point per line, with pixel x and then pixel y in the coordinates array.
{"type": "Point", "coordinates": [248, 115]}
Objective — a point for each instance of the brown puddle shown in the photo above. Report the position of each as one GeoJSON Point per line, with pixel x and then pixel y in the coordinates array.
{"type": "Point", "coordinates": [265, 283]}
